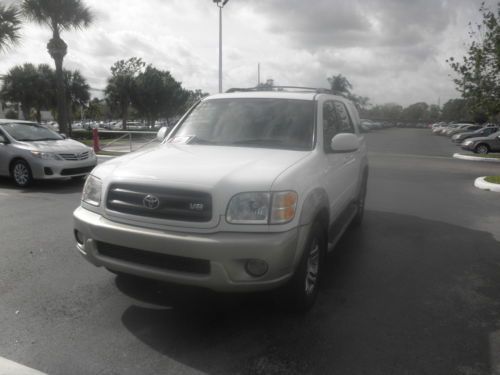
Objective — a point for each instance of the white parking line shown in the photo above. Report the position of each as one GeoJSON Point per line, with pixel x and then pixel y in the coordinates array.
{"type": "Point", "coordinates": [8, 367]}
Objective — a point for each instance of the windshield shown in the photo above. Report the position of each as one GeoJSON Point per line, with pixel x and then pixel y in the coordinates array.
{"type": "Point", "coordinates": [30, 132]}
{"type": "Point", "coordinates": [250, 122]}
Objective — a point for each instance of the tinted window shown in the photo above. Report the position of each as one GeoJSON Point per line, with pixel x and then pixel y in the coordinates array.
{"type": "Point", "coordinates": [271, 123]}
{"type": "Point", "coordinates": [335, 120]}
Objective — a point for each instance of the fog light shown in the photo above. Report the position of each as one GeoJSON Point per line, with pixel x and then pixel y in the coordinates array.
{"type": "Point", "coordinates": [48, 171]}
{"type": "Point", "coordinates": [256, 267]}
{"type": "Point", "coordinates": [79, 237]}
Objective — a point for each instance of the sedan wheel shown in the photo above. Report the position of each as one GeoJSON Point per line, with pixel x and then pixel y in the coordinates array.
{"type": "Point", "coordinates": [482, 149]}
{"type": "Point", "coordinates": [21, 173]}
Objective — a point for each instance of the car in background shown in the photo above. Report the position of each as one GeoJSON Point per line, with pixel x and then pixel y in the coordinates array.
{"type": "Point", "coordinates": [483, 145]}
{"type": "Point", "coordinates": [462, 129]}
{"type": "Point", "coordinates": [453, 127]}
{"type": "Point", "coordinates": [30, 151]}
{"type": "Point", "coordinates": [482, 132]}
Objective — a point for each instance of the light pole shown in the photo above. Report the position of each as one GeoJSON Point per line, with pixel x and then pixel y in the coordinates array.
{"type": "Point", "coordinates": [220, 4]}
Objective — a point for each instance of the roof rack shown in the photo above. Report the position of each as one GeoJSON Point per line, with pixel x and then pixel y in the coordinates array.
{"type": "Point", "coordinates": [281, 88]}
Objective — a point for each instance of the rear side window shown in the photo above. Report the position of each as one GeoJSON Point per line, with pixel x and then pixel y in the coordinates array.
{"type": "Point", "coordinates": [335, 120]}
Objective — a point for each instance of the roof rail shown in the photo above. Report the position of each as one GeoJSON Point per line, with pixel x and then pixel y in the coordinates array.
{"type": "Point", "coordinates": [281, 88]}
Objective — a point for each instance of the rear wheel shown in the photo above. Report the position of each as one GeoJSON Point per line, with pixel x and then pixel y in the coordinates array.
{"type": "Point", "coordinates": [304, 286]}
{"type": "Point", "coordinates": [21, 173]}
{"type": "Point", "coordinates": [482, 149]}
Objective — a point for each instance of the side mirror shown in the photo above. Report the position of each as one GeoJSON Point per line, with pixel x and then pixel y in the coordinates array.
{"type": "Point", "coordinates": [2, 140]}
{"type": "Point", "coordinates": [63, 136]}
{"type": "Point", "coordinates": [345, 142]}
{"type": "Point", "coordinates": [162, 133]}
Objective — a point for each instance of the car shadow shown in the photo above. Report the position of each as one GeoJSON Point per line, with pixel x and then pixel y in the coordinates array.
{"type": "Point", "coordinates": [66, 186]}
{"type": "Point", "coordinates": [401, 295]}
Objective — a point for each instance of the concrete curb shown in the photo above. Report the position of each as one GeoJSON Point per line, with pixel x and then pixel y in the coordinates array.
{"type": "Point", "coordinates": [474, 158]}
{"type": "Point", "coordinates": [8, 367]}
{"type": "Point", "coordinates": [482, 184]}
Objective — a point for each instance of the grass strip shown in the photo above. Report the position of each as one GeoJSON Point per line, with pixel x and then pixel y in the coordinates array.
{"type": "Point", "coordinates": [493, 179]}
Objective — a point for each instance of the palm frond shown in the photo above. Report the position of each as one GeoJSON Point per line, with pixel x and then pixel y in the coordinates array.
{"type": "Point", "coordinates": [58, 14]}
{"type": "Point", "coordinates": [10, 24]}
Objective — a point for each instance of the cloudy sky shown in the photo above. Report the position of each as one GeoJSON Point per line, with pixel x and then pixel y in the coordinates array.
{"type": "Point", "coordinates": [390, 50]}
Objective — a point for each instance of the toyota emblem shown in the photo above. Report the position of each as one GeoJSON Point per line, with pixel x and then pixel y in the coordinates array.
{"type": "Point", "coordinates": [151, 202]}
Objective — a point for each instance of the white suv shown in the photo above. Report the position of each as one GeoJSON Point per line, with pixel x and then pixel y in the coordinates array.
{"type": "Point", "coordinates": [248, 192]}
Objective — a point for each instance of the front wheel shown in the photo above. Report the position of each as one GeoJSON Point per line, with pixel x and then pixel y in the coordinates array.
{"type": "Point", "coordinates": [21, 173]}
{"type": "Point", "coordinates": [304, 286]}
{"type": "Point", "coordinates": [481, 149]}
{"type": "Point", "coordinates": [360, 204]}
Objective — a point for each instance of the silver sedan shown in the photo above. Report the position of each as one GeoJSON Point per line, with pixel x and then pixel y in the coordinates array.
{"type": "Point", "coordinates": [29, 151]}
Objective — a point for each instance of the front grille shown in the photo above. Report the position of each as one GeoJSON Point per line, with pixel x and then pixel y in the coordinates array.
{"type": "Point", "coordinates": [76, 157]}
{"type": "Point", "coordinates": [72, 171]}
{"type": "Point", "coordinates": [157, 260]}
{"type": "Point", "coordinates": [159, 202]}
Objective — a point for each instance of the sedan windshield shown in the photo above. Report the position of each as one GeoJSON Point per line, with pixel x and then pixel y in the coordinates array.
{"type": "Point", "coordinates": [30, 132]}
{"type": "Point", "coordinates": [250, 122]}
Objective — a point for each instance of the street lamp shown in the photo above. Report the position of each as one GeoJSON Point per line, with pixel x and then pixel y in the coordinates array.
{"type": "Point", "coordinates": [220, 4]}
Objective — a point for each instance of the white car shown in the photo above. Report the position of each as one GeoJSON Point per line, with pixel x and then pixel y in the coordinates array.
{"type": "Point", "coordinates": [29, 151]}
{"type": "Point", "coordinates": [248, 192]}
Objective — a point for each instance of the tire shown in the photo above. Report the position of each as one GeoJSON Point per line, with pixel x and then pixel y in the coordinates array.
{"type": "Point", "coordinates": [360, 203]}
{"type": "Point", "coordinates": [482, 149]}
{"type": "Point", "coordinates": [302, 290]}
{"type": "Point", "coordinates": [21, 173]}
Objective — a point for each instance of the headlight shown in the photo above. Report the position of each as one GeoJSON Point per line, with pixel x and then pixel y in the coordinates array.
{"type": "Point", "coordinates": [91, 152]}
{"type": "Point", "coordinates": [249, 208]}
{"type": "Point", "coordinates": [45, 155]}
{"type": "Point", "coordinates": [468, 143]}
{"type": "Point", "coordinates": [92, 191]}
{"type": "Point", "coordinates": [262, 208]}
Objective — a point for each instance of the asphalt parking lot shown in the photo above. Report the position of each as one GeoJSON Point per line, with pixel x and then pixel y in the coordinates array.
{"type": "Point", "coordinates": [415, 290]}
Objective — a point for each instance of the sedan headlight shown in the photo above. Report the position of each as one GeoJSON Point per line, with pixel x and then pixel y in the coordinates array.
{"type": "Point", "coordinates": [45, 155]}
{"type": "Point", "coordinates": [91, 152]}
{"type": "Point", "coordinates": [92, 191]}
{"type": "Point", "coordinates": [262, 208]}
{"type": "Point", "coordinates": [468, 143]}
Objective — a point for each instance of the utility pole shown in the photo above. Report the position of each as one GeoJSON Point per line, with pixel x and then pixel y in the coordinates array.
{"type": "Point", "coordinates": [258, 74]}
{"type": "Point", "coordinates": [220, 4]}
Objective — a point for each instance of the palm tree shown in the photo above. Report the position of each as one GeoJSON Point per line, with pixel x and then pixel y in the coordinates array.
{"type": "Point", "coordinates": [59, 15]}
{"type": "Point", "coordinates": [340, 85]}
{"type": "Point", "coordinates": [9, 26]}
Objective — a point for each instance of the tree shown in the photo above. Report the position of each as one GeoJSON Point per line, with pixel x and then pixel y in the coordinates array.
{"type": "Point", "coordinates": [156, 93]}
{"type": "Point", "coordinates": [59, 15]}
{"type": "Point", "coordinates": [44, 86]}
{"type": "Point", "coordinates": [340, 85]}
{"type": "Point", "coordinates": [478, 74]}
{"type": "Point", "coordinates": [9, 26]}
{"type": "Point", "coordinates": [456, 110]}
{"type": "Point", "coordinates": [120, 85]}
{"type": "Point", "coordinates": [18, 87]}
{"type": "Point", "coordinates": [77, 92]}
{"type": "Point", "coordinates": [416, 112]}
{"type": "Point", "coordinates": [193, 97]}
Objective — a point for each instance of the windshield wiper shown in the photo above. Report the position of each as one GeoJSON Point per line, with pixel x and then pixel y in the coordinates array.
{"type": "Point", "coordinates": [46, 139]}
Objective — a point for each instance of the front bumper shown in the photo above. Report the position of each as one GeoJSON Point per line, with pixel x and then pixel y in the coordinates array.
{"type": "Point", "coordinates": [226, 252]}
{"type": "Point", "coordinates": [56, 169]}
{"type": "Point", "coordinates": [468, 147]}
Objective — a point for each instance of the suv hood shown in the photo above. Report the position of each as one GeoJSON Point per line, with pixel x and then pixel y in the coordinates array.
{"type": "Point", "coordinates": [202, 166]}
{"type": "Point", "coordinates": [63, 145]}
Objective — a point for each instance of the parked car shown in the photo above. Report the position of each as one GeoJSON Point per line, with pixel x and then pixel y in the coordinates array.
{"type": "Point", "coordinates": [482, 132]}
{"type": "Point", "coordinates": [29, 151]}
{"type": "Point", "coordinates": [463, 128]}
{"type": "Point", "coordinates": [248, 192]}
{"type": "Point", "coordinates": [483, 145]}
